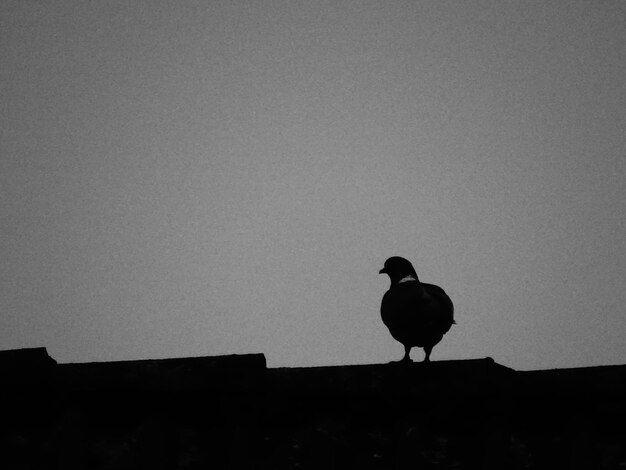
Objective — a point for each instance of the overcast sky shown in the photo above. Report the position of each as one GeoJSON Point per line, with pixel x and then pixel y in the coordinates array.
{"type": "Point", "coordinates": [191, 178]}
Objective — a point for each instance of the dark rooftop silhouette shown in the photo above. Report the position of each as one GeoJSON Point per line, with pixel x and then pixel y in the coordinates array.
{"type": "Point", "coordinates": [234, 412]}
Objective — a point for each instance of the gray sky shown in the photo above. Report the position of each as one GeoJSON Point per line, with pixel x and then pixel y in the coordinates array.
{"type": "Point", "coordinates": [202, 178]}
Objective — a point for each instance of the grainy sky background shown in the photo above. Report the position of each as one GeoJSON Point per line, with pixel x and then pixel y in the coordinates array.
{"type": "Point", "coordinates": [191, 178]}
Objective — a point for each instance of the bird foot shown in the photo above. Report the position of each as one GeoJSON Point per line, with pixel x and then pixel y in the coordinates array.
{"type": "Point", "coordinates": [401, 362]}
{"type": "Point", "coordinates": [404, 360]}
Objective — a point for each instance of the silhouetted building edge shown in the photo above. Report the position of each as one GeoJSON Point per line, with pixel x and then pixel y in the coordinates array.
{"type": "Point", "coordinates": [235, 412]}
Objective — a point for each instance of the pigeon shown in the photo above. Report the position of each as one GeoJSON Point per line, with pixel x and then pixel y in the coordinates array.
{"type": "Point", "coordinates": [417, 314]}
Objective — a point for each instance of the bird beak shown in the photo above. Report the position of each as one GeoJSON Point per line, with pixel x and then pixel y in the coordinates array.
{"type": "Point", "coordinates": [382, 271]}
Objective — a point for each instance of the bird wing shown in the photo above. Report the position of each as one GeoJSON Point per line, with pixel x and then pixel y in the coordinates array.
{"type": "Point", "coordinates": [441, 296]}
{"type": "Point", "coordinates": [438, 315]}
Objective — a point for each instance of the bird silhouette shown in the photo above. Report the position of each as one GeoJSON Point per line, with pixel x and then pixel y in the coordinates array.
{"type": "Point", "coordinates": [417, 314]}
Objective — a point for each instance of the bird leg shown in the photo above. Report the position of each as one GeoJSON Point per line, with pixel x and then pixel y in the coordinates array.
{"type": "Point", "coordinates": [407, 354]}
{"type": "Point", "coordinates": [427, 350]}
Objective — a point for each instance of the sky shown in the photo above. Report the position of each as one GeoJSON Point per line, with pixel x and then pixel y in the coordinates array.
{"type": "Point", "coordinates": [191, 178]}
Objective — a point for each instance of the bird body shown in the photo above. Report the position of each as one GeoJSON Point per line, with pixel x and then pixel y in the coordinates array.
{"type": "Point", "coordinates": [417, 314]}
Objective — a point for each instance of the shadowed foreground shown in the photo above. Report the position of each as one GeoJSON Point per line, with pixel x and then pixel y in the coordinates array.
{"type": "Point", "coordinates": [233, 412]}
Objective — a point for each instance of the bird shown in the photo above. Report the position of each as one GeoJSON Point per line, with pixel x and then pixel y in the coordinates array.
{"type": "Point", "coordinates": [417, 314]}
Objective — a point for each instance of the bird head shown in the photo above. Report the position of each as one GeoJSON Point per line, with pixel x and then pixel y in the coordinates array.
{"type": "Point", "coordinates": [398, 268]}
